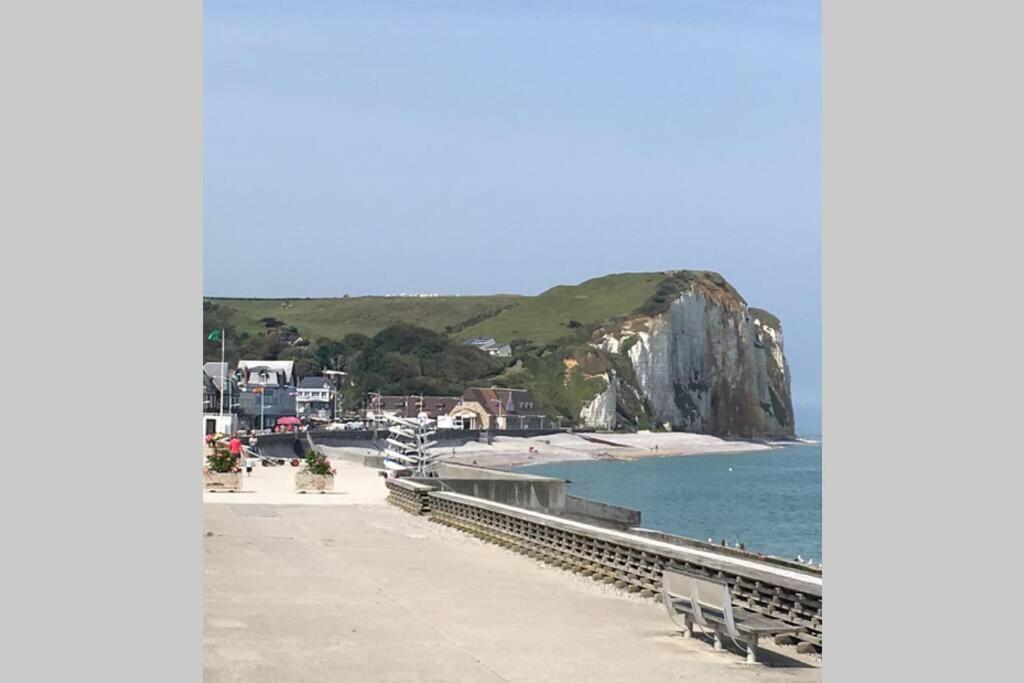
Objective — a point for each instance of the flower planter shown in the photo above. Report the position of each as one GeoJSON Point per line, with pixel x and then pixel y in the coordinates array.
{"type": "Point", "coordinates": [307, 481]}
{"type": "Point", "coordinates": [222, 481]}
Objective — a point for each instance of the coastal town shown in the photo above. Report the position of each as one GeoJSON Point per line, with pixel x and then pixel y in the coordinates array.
{"type": "Point", "coordinates": [267, 395]}
{"type": "Point", "coordinates": [385, 467]}
{"type": "Point", "coordinates": [485, 405]}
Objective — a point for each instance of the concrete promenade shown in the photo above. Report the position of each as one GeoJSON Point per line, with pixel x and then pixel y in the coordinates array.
{"type": "Point", "coordinates": [344, 587]}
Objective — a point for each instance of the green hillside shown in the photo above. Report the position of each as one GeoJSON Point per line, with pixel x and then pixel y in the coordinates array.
{"type": "Point", "coordinates": [412, 344]}
{"type": "Point", "coordinates": [547, 317]}
{"type": "Point", "coordinates": [335, 318]}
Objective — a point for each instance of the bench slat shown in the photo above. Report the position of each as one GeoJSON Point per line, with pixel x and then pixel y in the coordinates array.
{"type": "Point", "coordinates": [745, 620]}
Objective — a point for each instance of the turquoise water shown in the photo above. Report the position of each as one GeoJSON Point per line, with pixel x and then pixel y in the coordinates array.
{"type": "Point", "coordinates": [768, 500]}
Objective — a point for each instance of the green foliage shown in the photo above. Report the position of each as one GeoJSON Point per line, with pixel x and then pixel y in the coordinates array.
{"type": "Point", "coordinates": [628, 343]}
{"type": "Point", "coordinates": [262, 347]}
{"type": "Point", "coordinates": [367, 315]}
{"type": "Point", "coordinates": [306, 363]}
{"type": "Point", "coordinates": [405, 359]}
{"type": "Point", "coordinates": [405, 345]}
{"type": "Point", "coordinates": [546, 317]}
{"type": "Point", "coordinates": [476, 319]}
{"type": "Point", "coordinates": [318, 463]}
{"type": "Point", "coordinates": [766, 318]}
{"type": "Point", "coordinates": [217, 317]}
{"type": "Point", "coordinates": [222, 461]}
{"type": "Point", "coordinates": [677, 282]}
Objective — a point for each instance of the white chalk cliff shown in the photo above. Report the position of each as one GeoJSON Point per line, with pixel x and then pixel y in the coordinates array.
{"type": "Point", "coordinates": [706, 364]}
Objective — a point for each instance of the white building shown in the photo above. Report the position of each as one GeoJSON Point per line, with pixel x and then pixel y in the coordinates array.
{"type": "Point", "coordinates": [491, 346]}
{"type": "Point", "coordinates": [315, 399]}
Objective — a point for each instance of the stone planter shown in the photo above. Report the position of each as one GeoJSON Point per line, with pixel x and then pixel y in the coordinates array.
{"type": "Point", "coordinates": [307, 481]}
{"type": "Point", "coordinates": [222, 481]}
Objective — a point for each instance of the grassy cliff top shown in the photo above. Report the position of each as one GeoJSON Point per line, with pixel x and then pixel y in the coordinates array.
{"type": "Point", "coordinates": [766, 318]}
{"type": "Point", "coordinates": [334, 318]}
{"type": "Point", "coordinates": [547, 316]}
{"type": "Point", "coordinates": [552, 315]}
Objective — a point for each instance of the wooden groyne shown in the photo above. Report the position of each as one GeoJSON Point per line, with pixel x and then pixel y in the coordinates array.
{"type": "Point", "coordinates": [630, 561]}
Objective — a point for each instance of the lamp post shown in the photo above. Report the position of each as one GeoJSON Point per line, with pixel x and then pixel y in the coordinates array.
{"type": "Point", "coordinates": [260, 390]}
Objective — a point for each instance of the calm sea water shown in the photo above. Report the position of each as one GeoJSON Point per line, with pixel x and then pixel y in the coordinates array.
{"type": "Point", "coordinates": [769, 500]}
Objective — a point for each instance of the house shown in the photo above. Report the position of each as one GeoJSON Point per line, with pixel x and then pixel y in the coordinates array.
{"type": "Point", "coordinates": [267, 372]}
{"type": "Point", "coordinates": [217, 382]}
{"type": "Point", "coordinates": [315, 399]}
{"type": "Point", "coordinates": [498, 408]}
{"type": "Point", "coordinates": [266, 391]}
{"type": "Point", "coordinates": [489, 345]}
{"type": "Point", "coordinates": [412, 406]}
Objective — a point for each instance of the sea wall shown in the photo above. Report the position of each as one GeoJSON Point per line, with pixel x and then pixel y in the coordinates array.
{"type": "Point", "coordinates": [629, 561]}
{"type": "Point", "coordinates": [602, 514]}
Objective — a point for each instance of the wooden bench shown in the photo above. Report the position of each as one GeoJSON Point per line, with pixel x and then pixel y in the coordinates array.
{"type": "Point", "coordinates": [707, 602]}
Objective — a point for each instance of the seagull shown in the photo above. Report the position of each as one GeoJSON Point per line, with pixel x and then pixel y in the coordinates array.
{"type": "Point", "coordinates": [710, 540]}
{"type": "Point", "coordinates": [799, 559]}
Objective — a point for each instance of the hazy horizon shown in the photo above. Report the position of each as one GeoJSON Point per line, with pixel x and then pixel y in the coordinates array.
{"type": "Point", "coordinates": [454, 148]}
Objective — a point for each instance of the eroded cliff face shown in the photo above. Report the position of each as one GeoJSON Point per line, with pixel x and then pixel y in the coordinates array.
{"type": "Point", "coordinates": [600, 413]}
{"type": "Point", "coordinates": [707, 364]}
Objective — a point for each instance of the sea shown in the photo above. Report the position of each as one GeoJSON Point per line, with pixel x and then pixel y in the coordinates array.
{"type": "Point", "coordinates": [770, 501]}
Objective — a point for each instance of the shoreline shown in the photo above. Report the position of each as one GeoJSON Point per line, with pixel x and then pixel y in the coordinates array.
{"type": "Point", "coordinates": [520, 451]}
{"type": "Point", "coordinates": [514, 452]}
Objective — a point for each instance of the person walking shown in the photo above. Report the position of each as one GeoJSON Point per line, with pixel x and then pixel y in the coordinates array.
{"type": "Point", "coordinates": [235, 448]}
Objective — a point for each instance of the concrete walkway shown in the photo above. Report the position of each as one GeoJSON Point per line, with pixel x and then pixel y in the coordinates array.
{"type": "Point", "coordinates": [339, 591]}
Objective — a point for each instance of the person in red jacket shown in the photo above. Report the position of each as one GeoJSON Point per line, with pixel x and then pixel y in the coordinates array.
{"type": "Point", "coordinates": [235, 448]}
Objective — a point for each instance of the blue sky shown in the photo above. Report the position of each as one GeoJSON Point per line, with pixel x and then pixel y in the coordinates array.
{"type": "Point", "coordinates": [479, 147]}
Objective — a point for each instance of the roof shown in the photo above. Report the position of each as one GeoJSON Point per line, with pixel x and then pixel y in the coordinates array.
{"type": "Point", "coordinates": [502, 401]}
{"type": "Point", "coordinates": [285, 366]}
{"type": "Point", "coordinates": [216, 372]}
{"type": "Point", "coordinates": [411, 406]}
{"type": "Point", "coordinates": [314, 383]}
{"type": "Point", "coordinates": [480, 341]}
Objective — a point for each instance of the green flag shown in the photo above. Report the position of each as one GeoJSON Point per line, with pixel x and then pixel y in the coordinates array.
{"type": "Point", "coordinates": [214, 336]}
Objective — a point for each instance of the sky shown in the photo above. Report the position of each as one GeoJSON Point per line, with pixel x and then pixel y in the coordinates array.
{"type": "Point", "coordinates": [480, 147]}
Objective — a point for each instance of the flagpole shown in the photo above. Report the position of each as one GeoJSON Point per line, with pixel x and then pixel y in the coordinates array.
{"type": "Point", "coordinates": [223, 373]}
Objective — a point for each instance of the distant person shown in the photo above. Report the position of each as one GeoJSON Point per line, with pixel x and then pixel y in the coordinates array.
{"type": "Point", "coordinates": [235, 447]}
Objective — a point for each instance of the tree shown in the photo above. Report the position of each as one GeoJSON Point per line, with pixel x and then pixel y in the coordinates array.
{"type": "Point", "coordinates": [329, 353]}
{"type": "Point", "coordinates": [306, 364]}
{"type": "Point", "coordinates": [219, 317]}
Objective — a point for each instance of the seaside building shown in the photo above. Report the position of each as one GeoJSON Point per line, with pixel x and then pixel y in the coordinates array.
{"type": "Point", "coordinates": [218, 384]}
{"type": "Point", "coordinates": [498, 408]}
{"type": "Point", "coordinates": [411, 406]}
{"type": "Point", "coordinates": [266, 392]}
{"type": "Point", "coordinates": [315, 399]}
